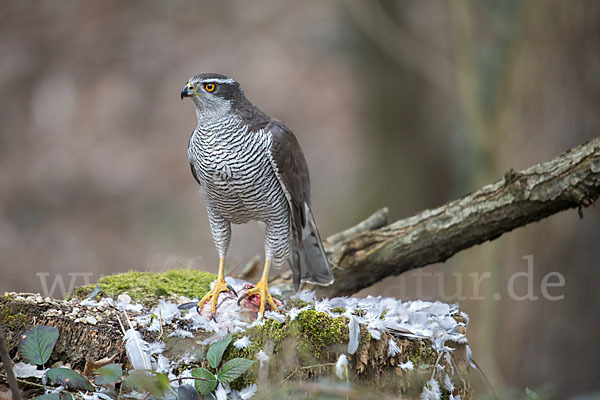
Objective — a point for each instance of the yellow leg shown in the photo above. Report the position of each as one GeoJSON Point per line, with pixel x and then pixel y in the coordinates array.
{"type": "Point", "coordinates": [220, 286]}
{"type": "Point", "coordinates": [262, 289]}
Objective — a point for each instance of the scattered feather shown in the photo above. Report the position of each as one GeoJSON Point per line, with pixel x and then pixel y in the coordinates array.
{"type": "Point", "coordinates": [418, 319]}
{"type": "Point", "coordinates": [186, 374]}
{"type": "Point", "coordinates": [307, 296]}
{"type": "Point", "coordinates": [431, 391]}
{"type": "Point", "coordinates": [156, 347]}
{"type": "Point", "coordinates": [24, 370]}
{"type": "Point", "coordinates": [242, 343]}
{"type": "Point", "coordinates": [123, 303]}
{"type": "Point", "coordinates": [375, 334]}
{"type": "Point", "coordinates": [293, 313]}
{"type": "Point", "coordinates": [469, 358]}
{"type": "Point", "coordinates": [341, 367]}
{"type": "Point", "coordinates": [221, 392]}
{"type": "Point", "coordinates": [275, 315]}
{"type": "Point", "coordinates": [407, 366]}
{"type": "Point", "coordinates": [106, 302]}
{"type": "Point", "coordinates": [163, 365]}
{"type": "Point", "coordinates": [448, 359]}
{"type": "Point", "coordinates": [354, 333]}
{"type": "Point", "coordinates": [262, 357]}
{"type": "Point", "coordinates": [448, 385]}
{"type": "Point", "coordinates": [248, 392]}
{"type": "Point", "coordinates": [257, 322]}
{"type": "Point", "coordinates": [94, 396]}
{"type": "Point", "coordinates": [393, 348]}
{"type": "Point", "coordinates": [89, 303]}
{"type": "Point", "coordinates": [154, 325]}
{"type": "Point", "coordinates": [136, 349]}
{"type": "Point", "coordinates": [181, 333]}
{"type": "Point", "coordinates": [167, 311]}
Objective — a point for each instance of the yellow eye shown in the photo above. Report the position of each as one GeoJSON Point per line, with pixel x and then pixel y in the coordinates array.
{"type": "Point", "coordinates": [209, 87]}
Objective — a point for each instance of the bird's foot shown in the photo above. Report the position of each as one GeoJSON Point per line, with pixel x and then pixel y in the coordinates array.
{"type": "Point", "coordinates": [213, 295]}
{"type": "Point", "coordinates": [261, 289]}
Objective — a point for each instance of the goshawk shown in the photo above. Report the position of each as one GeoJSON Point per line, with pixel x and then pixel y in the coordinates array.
{"type": "Point", "coordinates": [251, 167]}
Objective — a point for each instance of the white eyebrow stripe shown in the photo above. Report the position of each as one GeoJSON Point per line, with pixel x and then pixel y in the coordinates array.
{"type": "Point", "coordinates": [217, 80]}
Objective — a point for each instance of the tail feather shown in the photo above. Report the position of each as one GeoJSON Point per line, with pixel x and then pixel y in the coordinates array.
{"type": "Point", "coordinates": [314, 265]}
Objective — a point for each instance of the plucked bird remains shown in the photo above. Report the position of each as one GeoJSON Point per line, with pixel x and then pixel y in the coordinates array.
{"type": "Point", "coordinates": [250, 167]}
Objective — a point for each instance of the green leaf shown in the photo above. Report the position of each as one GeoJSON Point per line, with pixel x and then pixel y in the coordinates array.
{"type": "Point", "coordinates": [69, 378]}
{"type": "Point", "coordinates": [109, 373]}
{"type": "Point", "coordinates": [54, 396]}
{"type": "Point", "coordinates": [147, 381]}
{"type": "Point", "coordinates": [206, 385]}
{"type": "Point", "coordinates": [37, 344]}
{"type": "Point", "coordinates": [51, 396]}
{"type": "Point", "coordinates": [233, 369]}
{"type": "Point", "coordinates": [215, 352]}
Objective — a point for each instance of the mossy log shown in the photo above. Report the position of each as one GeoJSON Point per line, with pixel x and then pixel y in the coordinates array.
{"type": "Point", "coordinates": [300, 351]}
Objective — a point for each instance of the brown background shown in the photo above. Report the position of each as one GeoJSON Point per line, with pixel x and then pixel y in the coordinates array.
{"type": "Point", "coordinates": [406, 104]}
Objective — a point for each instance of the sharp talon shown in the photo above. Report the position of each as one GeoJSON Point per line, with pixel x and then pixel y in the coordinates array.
{"type": "Point", "coordinates": [214, 316]}
{"type": "Point", "coordinates": [187, 306]}
{"type": "Point", "coordinates": [242, 298]}
{"type": "Point", "coordinates": [232, 289]}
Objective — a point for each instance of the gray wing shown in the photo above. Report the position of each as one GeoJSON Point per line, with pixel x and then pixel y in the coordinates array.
{"type": "Point", "coordinates": [308, 260]}
{"type": "Point", "coordinates": [291, 169]}
{"type": "Point", "coordinates": [192, 165]}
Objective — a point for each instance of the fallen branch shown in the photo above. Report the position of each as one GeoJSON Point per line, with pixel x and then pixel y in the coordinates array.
{"type": "Point", "coordinates": [571, 180]}
{"type": "Point", "coordinates": [6, 360]}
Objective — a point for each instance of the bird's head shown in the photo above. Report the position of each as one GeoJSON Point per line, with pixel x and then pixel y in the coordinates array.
{"type": "Point", "coordinates": [212, 94]}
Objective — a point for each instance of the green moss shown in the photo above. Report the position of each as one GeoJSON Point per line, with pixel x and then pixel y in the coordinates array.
{"type": "Point", "coordinates": [420, 352]}
{"type": "Point", "coordinates": [297, 303]}
{"type": "Point", "coordinates": [271, 330]}
{"type": "Point", "coordinates": [12, 317]}
{"type": "Point", "coordinates": [319, 330]}
{"type": "Point", "coordinates": [144, 286]}
{"type": "Point", "coordinates": [309, 334]}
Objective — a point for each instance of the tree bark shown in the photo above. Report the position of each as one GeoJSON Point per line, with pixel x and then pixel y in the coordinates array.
{"type": "Point", "coordinates": [363, 256]}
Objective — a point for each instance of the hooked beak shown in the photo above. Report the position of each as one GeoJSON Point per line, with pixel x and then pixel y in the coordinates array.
{"type": "Point", "coordinates": [187, 91]}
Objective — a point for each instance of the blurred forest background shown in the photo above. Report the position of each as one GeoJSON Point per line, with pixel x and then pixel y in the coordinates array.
{"type": "Point", "coordinates": [406, 104]}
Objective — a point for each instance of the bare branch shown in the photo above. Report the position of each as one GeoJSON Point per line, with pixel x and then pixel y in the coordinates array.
{"type": "Point", "coordinates": [572, 180]}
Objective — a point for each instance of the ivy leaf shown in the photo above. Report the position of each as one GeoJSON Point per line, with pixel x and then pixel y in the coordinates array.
{"type": "Point", "coordinates": [206, 385]}
{"type": "Point", "coordinates": [233, 369]}
{"type": "Point", "coordinates": [143, 380]}
{"type": "Point", "coordinates": [69, 378]}
{"type": "Point", "coordinates": [109, 373]}
{"type": "Point", "coordinates": [215, 352]}
{"type": "Point", "coordinates": [37, 344]}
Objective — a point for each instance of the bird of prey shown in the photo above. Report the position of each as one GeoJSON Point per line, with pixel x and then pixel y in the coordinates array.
{"type": "Point", "coordinates": [250, 167]}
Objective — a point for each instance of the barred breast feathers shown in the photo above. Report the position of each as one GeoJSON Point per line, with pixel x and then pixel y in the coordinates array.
{"type": "Point", "coordinates": [234, 168]}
